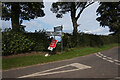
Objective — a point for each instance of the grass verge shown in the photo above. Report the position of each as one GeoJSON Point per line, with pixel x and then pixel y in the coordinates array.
{"type": "Point", "coordinates": [16, 62]}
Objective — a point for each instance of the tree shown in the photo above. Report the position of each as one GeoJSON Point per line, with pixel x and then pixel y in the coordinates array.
{"type": "Point", "coordinates": [19, 11]}
{"type": "Point", "coordinates": [75, 9]}
{"type": "Point", "coordinates": [109, 15]}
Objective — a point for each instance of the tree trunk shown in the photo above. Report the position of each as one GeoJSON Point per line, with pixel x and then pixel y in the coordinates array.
{"type": "Point", "coordinates": [74, 21]}
{"type": "Point", "coordinates": [75, 37]}
{"type": "Point", "coordinates": [73, 18]}
{"type": "Point", "coordinates": [15, 10]}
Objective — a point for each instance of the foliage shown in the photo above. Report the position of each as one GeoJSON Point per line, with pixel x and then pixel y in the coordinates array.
{"type": "Point", "coordinates": [75, 9]}
{"type": "Point", "coordinates": [13, 43]}
{"type": "Point", "coordinates": [109, 15]}
{"type": "Point", "coordinates": [22, 11]}
{"type": "Point", "coordinates": [40, 39]}
{"type": "Point", "coordinates": [91, 40]}
{"type": "Point", "coordinates": [20, 42]}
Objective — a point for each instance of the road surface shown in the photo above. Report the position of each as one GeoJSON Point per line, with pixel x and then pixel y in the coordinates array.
{"type": "Point", "coordinates": [98, 65]}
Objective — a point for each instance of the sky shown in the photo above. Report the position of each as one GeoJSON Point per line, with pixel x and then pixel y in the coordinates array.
{"type": "Point", "coordinates": [87, 21]}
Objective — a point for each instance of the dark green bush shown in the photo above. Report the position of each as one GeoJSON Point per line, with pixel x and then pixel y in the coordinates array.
{"type": "Point", "coordinates": [58, 47]}
{"type": "Point", "coordinates": [67, 41]}
{"type": "Point", "coordinates": [13, 43]}
{"type": "Point", "coordinates": [87, 40]}
{"type": "Point", "coordinates": [40, 39]}
{"type": "Point", "coordinates": [20, 42]}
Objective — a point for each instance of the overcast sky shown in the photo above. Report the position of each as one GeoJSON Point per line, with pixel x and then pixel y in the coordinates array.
{"type": "Point", "coordinates": [87, 21]}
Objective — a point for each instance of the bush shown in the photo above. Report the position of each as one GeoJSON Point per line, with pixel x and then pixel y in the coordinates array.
{"type": "Point", "coordinates": [20, 42]}
{"type": "Point", "coordinates": [40, 39]}
{"type": "Point", "coordinates": [13, 43]}
{"type": "Point", "coordinates": [58, 47]}
{"type": "Point", "coordinates": [87, 40]}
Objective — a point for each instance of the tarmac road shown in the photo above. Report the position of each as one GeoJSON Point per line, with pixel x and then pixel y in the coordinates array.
{"type": "Point", "coordinates": [98, 65]}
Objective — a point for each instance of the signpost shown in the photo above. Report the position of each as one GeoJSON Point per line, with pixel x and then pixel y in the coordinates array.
{"type": "Point", "coordinates": [59, 28]}
{"type": "Point", "coordinates": [55, 33]}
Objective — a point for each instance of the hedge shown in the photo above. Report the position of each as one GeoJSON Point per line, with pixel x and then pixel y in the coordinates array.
{"type": "Point", "coordinates": [21, 42]}
{"type": "Point", "coordinates": [88, 40]}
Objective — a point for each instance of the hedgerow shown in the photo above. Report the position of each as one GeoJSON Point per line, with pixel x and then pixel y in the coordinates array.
{"type": "Point", "coordinates": [88, 40]}
{"type": "Point", "coordinates": [21, 42]}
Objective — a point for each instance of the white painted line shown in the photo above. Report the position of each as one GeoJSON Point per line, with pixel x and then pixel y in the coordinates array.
{"type": "Point", "coordinates": [33, 75]}
{"type": "Point", "coordinates": [102, 55]}
{"type": "Point", "coordinates": [98, 55]}
{"type": "Point", "coordinates": [104, 58]}
{"type": "Point", "coordinates": [80, 66]}
{"type": "Point", "coordinates": [77, 65]}
{"type": "Point", "coordinates": [116, 60]}
{"type": "Point", "coordinates": [110, 61]}
{"type": "Point", "coordinates": [109, 57]}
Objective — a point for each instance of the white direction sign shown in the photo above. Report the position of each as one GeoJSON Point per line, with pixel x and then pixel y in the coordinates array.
{"type": "Point", "coordinates": [54, 33]}
{"type": "Point", "coordinates": [59, 28]}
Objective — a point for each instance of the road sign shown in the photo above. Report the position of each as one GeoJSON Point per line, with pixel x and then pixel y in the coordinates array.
{"type": "Point", "coordinates": [59, 28]}
{"type": "Point", "coordinates": [54, 33]}
{"type": "Point", "coordinates": [52, 44]}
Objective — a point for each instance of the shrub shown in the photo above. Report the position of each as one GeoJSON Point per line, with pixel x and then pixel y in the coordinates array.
{"type": "Point", "coordinates": [15, 42]}
{"type": "Point", "coordinates": [87, 40]}
{"type": "Point", "coordinates": [58, 47]}
{"type": "Point", "coordinates": [20, 42]}
{"type": "Point", "coordinates": [41, 40]}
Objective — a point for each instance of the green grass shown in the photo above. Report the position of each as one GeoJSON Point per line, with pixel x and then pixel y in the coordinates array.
{"type": "Point", "coordinates": [15, 62]}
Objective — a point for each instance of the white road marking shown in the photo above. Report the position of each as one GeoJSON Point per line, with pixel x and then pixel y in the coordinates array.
{"type": "Point", "coordinates": [98, 55]}
{"type": "Point", "coordinates": [77, 65]}
{"type": "Point", "coordinates": [109, 59]}
{"type": "Point", "coordinates": [104, 58]}
{"type": "Point", "coordinates": [116, 60]}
